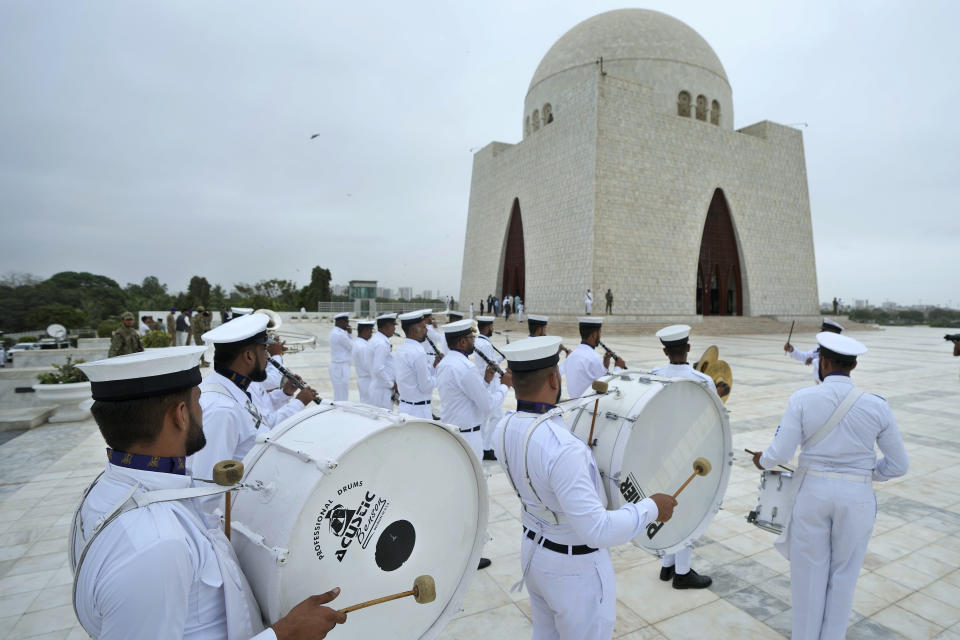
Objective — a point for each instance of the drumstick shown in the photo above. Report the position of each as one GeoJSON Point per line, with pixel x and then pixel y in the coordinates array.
{"type": "Point", "coordinates": [424, 591]}
{"type": "Point", "coordinates": [227, 473]}
{"type": "Point", "coordinates": [701, 467]}
{"type": "Point", "coordinates": [789, 336]}
{"type": "Point", "coordinates": [753, 453]}
{"type": "Point", "coordinates": [600, 387]}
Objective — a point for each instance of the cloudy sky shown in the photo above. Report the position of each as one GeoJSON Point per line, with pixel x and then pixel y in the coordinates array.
{"type": "Point", "coordinates": [173, 138]}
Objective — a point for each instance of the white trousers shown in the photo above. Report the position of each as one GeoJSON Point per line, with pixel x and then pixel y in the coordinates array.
{"type": "Point", "coordinates": [475, 440]}
{"type": "Point", "coordinates": [380, 396]}
{"type": "Point", "coordinates": [829, 530]}
{"type": "Point", "coordinates": [363, 386]}
{"type": "Point", "coordinates": [340, 377]}
{"type": "Point", "coordinates": [415, 410]}
{"type": "Point", "coordinates": [679, 560]}
{"type": "Point", "coordinates": [571, 597]}
{"type": "Point", "coordinates": [486, 430]}
{"type": "Point", "coordinates": [181, 338]}
{"type": "Point", "coordinates": [588, 307]}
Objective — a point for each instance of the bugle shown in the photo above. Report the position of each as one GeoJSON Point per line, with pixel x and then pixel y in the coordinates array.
{"type": "Point", "coordinates": [286, 373]}
{"type": "Point", "coordinates": [293, 340]}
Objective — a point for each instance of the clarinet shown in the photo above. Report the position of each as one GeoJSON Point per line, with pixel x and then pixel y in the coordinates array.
{"type": "Point", "coordinates": [608, 350]}
{"type": "Point", "coordinates": [286, 373]}
{"type": "Point", "coordinates": [494, 347]}
{"type": "Point", "coordinates": [489, 361]}
{"type": "Point", "coordinates": [434, 347]}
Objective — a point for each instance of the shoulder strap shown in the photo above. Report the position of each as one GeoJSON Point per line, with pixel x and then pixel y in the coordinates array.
{"type": "Point", "coordinates": [216, 387]}
{"type": "Point", "coordinates": [842, 409]}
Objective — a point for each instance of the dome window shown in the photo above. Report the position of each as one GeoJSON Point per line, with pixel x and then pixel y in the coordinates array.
{"type": "Point", "coordinates": [547, 114]}
{"type": "Point", "coordinates": [714, 112]}
{"type": "Point", "coordinates": [701, 107]}
{"type": "Point", "coordinates": [683, 104]}
{"type": "Point", "coordinates": [536, 120]}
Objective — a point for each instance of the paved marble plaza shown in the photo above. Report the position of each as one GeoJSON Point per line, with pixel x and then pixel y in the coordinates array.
{"type": "Point", "coordinates": [909, 586]}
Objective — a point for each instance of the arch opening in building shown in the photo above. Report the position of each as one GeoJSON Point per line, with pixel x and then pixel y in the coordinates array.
{"type": "Point", "coordinates": [616, 169]}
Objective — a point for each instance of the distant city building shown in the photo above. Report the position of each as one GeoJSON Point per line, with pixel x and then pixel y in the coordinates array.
{"type": "Point", "coordinates": [428, 295]}
{"type": "Point", "coordinates": [861, 304]}
{"type": "Point", "coordinates": [339, 289]}
{"type": "Point", "coordinates": [363, 289]}
{"type": "Point", "coordinates": [630, 176]}
{"type": "Point", "coordinates": [385, 292]}
{"type": "Point", "coordinates": [406, 293]}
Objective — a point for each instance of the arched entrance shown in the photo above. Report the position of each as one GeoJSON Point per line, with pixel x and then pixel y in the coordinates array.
{"type": "Point", "coordinates": [719, 265]}
{"type": "Point", "coordinates": [513, 267]}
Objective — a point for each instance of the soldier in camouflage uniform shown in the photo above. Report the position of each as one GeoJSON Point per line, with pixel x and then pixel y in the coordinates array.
{"type": "Point", "coordinates": [200, 324]}
{"type": "Point", "coordinates": [126, 339]}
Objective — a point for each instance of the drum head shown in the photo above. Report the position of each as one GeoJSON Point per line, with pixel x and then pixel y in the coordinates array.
{"type": "Point", "coordinates": [676, 425]}
{"type": "Point", "coordinates": [406, 500]}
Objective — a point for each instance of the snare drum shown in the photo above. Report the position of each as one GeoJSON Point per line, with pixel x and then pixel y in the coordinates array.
{"type": "Point", "coordinates": [648, 432]}
{"type": "Point", "coordinates": [357, 497]}
{"type": "Point", "coordinates": [774, 502]}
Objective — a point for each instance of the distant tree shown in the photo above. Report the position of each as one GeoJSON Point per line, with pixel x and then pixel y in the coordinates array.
{"type": "Point", "coordinates": [318, 290]}
{"type": "Point", "coordinates": [150, 294]}
{"type": "Point", "coordinates": [70, 317]}
{"type": "Point", "coordinates": [99, 296]}
{"type": "Point", "coordinates": [218, 298]}
{"type": "Point", "coordinates": [19, 279]}
{"type": "Point", "coordinates": [279, 295]}
{"type": "Point", "coordinates": [198, 292]}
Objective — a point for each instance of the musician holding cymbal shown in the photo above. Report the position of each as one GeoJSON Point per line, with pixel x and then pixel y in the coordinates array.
{"type": "Point", "coordinates": [583, 365]}
{"type": "Point", "coordinates": [567, 528]}
{"type": "Point", "coordinates": [164, 569]}
{"type": "Point", "coordinates": [416, 377]}
{"type": "Point", "coordinates": [676, 346]}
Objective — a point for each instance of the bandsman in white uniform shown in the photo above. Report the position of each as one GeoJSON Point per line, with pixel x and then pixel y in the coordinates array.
{"type": "Point", "coordinates": [836, 427]}
{"type": "Point", "coordinates": [567, 528]}
{"type": "Point", "coordinates": [583, 365]}
{"type": "Point", "coordinates": [537, 325]}
{"type": "Point", "coordinates": [484, 345]}
{"type": "Point", "coordinates": [361, 358]}
{"type": "Point", "coordinates": [382, 380]}
{"type": "Point", "coordinates": [465, 396]}
{"type": "Point", "coordinates": [165, 569]}
{"type": "Point", "coordinates": [416, 378]}
{"type": "Point", "coordinates": [341, 355]}
{"type": "Point", "coordinates": [588, 302]}
{"type": "Point", "coordinates": [676, 346]}
{"type": "Point", "coordinates": [811, 358]}
{"type": "Point", "coordinates": [435, 344]}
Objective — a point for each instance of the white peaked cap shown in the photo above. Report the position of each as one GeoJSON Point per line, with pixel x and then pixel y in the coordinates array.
{"type": "Point", "coordinates": [485, 318]}
{"type": "Point", "coordinates": [342, 314]}
{"type": "Point", "coordinates": [539, 319]}
{"type": "Point", "coordinates": [387, 316]}
{"type": "Point", "coordinates": [831, 323]}
{"type": "Point", "coordinates": [591, 320]}
{"type": "Point", "coordinates": [530, 354]}
{"type": "Point", "coordinates": [842, 345]}
{"type": "Point", "coordinates": [460, 326]}
{"type": "Point", "coordinates": [147, 373]}
{"type": "Point", "coordinates": [674, 333]}
{"type": "Point", "coordinates": [238, 330]}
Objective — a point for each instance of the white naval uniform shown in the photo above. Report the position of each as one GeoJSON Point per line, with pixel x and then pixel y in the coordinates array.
{"type": "Point", "coordinates": [484, 344]}
{"type": "Point", "coordinates": [361, 362]}
{"type": "Point", "coordinates": [275, 406]}
{"type": "Point", "coordinates": [802, 357]}
{"type": "Point", "coordinates": [835, 507]}
{"type": "Point", "coordinates": [438, 339]}
{"type": "Point", "coordinates": [572, 597]}
{"type": "Point", "coordinates": [274, 377]}
{"type": "Point", "coordinates": [341, 355]}
{"type": "Point", "coordinates": [229, 426]}
{"type": "Point", "coordinates": [465, 399]}
{"type": "Point", "coordinates": [581, 368]}
{"type": "Point", "coordinates": [160, 571]}
{"type": "Point", "coordinates": [380, 391]}
{"type": "Point", "coordinates": [681, 559]}
{"type": "Point", "coordinates": [416, 378]}
{"type": "Point", "coordinates": [588, 302]}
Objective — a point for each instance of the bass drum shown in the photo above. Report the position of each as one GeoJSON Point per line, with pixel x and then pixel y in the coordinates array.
{"type": "Point", "coordinates": [649, 430]}
{"type": "Point", "coordinates": [356, 497]}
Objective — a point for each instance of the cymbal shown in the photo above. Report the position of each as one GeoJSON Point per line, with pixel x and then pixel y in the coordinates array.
{"type": "Point", "coordinates": [710, 355]}
{"type": "Point", "coordinates": [722, 376]}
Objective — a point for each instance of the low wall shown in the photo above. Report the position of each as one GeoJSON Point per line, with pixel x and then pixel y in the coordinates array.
{"type": "Point", "coordinates": [93, 343]}
{"type": "Point", "coordinates": [49, 357]}
{"type": "Point", "coordinates": [11, 378]}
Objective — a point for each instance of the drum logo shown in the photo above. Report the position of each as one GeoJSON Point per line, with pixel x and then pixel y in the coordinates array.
{"type": "Point", "coordinates": [631, 492]}
{"type": "Point", "coordinates": [349, 524]}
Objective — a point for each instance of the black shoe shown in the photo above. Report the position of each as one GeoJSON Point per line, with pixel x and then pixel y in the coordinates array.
{"type": "Point", "coordinates": [691, 580]}
{"type": "Point", "coordinates": [489, 455]}
{"type": "Point", "coordinates": [484, 563]}
{"type": "Point", "coordinates": [666, 573]}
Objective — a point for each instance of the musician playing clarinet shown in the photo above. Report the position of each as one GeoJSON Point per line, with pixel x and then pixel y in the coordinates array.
{"type": "Point", "coordinates": [584, 365]}
{"type": "Point", "coordinates": [676, 345]}
{"type": "Point", "coordinates": [485, 346]}
{"type": "Point", "coordinates": [416, 377]}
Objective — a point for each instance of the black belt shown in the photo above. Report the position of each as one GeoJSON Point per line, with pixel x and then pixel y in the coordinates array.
{"type": "Point", "coordinates": [476, 428]}
{"type": "Point", "coordinates": [572, 550]}
{"type": "Point", "coordinates": [416, 404]}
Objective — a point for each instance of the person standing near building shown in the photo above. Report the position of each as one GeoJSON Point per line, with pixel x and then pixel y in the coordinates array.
{"type": "Point", "coordinates": [518, 302]}
{"type": "Point", "coordinates": [583, 365]}
{"type": "Point", "coordinates": [183, 328]}
{"type": "Point", "coordinates": [471, 310]}
{"type": "Point", "coordinates": [361, 358]}
{"type": "Point", "coordinates": [567, 529]}
{"type": "Point", "coordinates": [609, 295]}
{"type": "Point", "coordinates": [837, 428]}
{"type": "Point", "coordinates": [383, 382]}
{"type": "Point", "coordinates": [484, 345]}
{"type": "Point", "coordinates": [676, 346]}
{"type": "Point", "coordinates": [341, 355]}
{"type": "Point", "coordinates": [416, 377]}
{"type": "Point", "coordinates": [588, 302]}
{"type": "Point", "coordinates": [172, 326]}
{"type": "Point", "coordinates": [144, 328]}
{"type": "Point", "coordinates": [126, 339]}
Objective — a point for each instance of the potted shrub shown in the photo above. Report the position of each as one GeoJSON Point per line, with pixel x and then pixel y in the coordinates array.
{"type": "Point", "coordinates": [68, 388]}
{"type": "Point", "coordinates": [155, 339]}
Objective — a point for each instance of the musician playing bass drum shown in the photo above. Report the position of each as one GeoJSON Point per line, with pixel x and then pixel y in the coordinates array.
{"type": "Point", "coordinates": [567, 528]}
{"type": "Point", "coordinates": [676, 346]}
{"type": "Point", "coordinates": [584, 365]}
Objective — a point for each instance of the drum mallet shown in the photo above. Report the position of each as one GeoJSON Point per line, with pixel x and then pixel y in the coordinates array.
{"type": "Point", "coordinates": [601, 388]}
{"type": "Point", "coordinates": [227, 473]}
{"type": "Point", "coordinates": [701, 467]}
{"type": "Point", "coordinates": [790, 336]}
{"type": "Point", "coordinates": [753, 453]}
{"type": "Point", "coordinates": [424, 591]}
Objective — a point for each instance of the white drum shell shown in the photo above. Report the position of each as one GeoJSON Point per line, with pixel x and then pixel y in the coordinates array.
{"type": "Point", "coordinates": [326, 460]}
{"type": "Point", "coordinates": [648, 432]}
{"type": "Point", "coordinates": [774, 502]}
